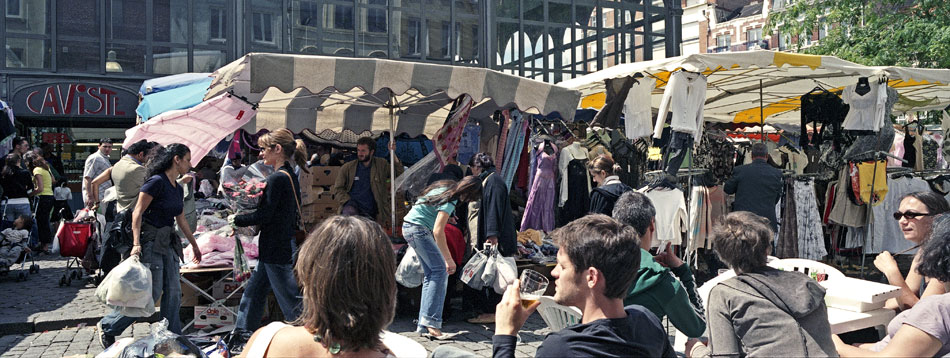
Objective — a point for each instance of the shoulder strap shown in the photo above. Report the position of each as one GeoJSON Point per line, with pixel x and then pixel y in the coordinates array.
{"type": "Point", "coordinates": [294, 193]}
{"type": "Point", "coordinates": [262, 342]}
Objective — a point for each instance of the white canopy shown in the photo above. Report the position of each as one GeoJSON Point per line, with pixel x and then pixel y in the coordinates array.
{"type": "Point", "coordinates": [734, 80]}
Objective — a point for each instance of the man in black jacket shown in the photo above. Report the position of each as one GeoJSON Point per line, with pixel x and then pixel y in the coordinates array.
{"type": "Point", "coordinates": [597, 262]}
{"type": "Point", "coordinates": [757, 185]}
{"type": "Point", "coordinates": [495, 225]}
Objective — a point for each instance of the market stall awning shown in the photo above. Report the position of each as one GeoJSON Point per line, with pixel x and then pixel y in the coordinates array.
{"type": "Point", "coordinates": [160, 84]}
{"type": "Point", "coordinates": [734, 80]}
{"type": "Point", "coordinates": [220, 116]}
{"type": "Point", "coordinates": [177, 98]}
{"type": "Point", "coordinates": [318, 92]}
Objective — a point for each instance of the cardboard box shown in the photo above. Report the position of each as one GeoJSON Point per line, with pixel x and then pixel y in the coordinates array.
{"type": "Point", "coordinates": [325, 197]}
{"type": "Point", "coordinates": [215, 317]}
{"type": "Point", "coordinates": [224, 288]}
{"type": "Point", "coordinates": [190, 297]}
{"type": "Point", "coordinates": [324, 175]}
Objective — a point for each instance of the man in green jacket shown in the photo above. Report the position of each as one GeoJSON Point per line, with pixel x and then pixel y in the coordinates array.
{"type": "Point", "coordinates": [655, 287]}
{"type": "Point", "coordinates": [362, 186]}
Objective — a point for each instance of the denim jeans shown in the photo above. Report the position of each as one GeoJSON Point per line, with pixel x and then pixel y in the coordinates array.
{"type": "Point", "coordinates": [15, 210]}
{"type": "Point", "coordinates": [165, 279]}
{"type": "Point", "coordinates": [436, 276]}
{"type": "Point", "coordinates": [280, 278]}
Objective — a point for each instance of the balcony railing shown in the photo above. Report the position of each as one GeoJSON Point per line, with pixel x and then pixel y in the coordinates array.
{"type": "Point", "coordinates": [751, 45]}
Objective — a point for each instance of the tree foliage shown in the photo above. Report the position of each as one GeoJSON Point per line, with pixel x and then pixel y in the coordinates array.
{"type": "Point", "coordinates": [871, 32]}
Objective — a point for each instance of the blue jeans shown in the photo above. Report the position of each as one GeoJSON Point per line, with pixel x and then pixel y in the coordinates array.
{"type": "Point", "coordinates": [280, 278]}
{"type": "Point", "coordinates": [436, 276]}
{"type": "Point", "coordinates": [165, 279]}
{"type": "Point", "coordinates": [14, 211]}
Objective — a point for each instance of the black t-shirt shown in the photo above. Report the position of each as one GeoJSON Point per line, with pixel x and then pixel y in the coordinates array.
{"type": "Point", "coordinates": [17, 185]}
{"type": "Point", "coordinates": [637, 335]}
{"type": "Point", "coordinates": [167, 201]}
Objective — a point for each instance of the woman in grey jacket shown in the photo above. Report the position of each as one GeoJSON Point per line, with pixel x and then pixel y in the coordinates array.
{"type": "Point", "coordinates": [762, 311]}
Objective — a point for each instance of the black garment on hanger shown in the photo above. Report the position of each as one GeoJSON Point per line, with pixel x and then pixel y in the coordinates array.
{"type": "Point", "coordinates": [823, 108]}
{"type": "Point", "coordinates": [578, 198]}
{"type": "Point", "coordinates": [617, 90]}
{"type": "Point", "coordinates": [910, 152]}
{"type": "Point", "coordinates": [630, 156]}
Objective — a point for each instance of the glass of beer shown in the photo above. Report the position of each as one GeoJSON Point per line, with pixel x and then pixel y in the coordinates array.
{"type": "Point", "coordinates": [533, 285]}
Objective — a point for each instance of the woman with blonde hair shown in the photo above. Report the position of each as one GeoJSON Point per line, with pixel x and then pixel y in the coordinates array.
{"type": "Point", "coordinates": [277, 216]}
{"type": "Point", "coordinates": [43, 181]}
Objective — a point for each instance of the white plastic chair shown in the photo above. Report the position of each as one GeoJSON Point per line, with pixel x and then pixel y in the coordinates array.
{"type": "Point", "coordinates": [557, 316]}
{"type": "Point", "coordinates": [806, 266]}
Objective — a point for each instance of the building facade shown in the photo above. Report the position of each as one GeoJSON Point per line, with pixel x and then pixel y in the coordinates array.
{"type": "Point", "coordinates": [75, 66]}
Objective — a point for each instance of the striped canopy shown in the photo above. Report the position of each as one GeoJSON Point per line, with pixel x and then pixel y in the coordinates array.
{"type": "Point", "coordinates": [734, 79]}
{"type": "Point", "coordinates": [318, 92]}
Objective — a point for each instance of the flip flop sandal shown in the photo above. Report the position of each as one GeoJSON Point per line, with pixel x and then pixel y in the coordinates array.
{"type": "Point", "coordinates": [445, 336]}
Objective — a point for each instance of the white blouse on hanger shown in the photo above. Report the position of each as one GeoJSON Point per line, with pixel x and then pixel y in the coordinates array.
{"type": "Point", "coordinates": [670, 218]}
{"type": "Point", "coordinates": [569, 153]}
{"type": "Point", "coordinates": [685, 96]}
{"type": "Point", "coordinates": [637, 113]}
{"type": "Point", "coordinates": [867, 111]}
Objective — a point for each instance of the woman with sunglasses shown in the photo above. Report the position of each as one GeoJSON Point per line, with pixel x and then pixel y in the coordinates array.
{"type": "Point", "coordinates": [915, 215]}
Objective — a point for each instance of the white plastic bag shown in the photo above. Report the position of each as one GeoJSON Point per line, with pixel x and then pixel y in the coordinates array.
{"type": "Point", "coordinates": [128, 285]}
{"type": "Point", "coordinates": [410, 273]}
{"type": "Point", "coordinates": [504, 271]}
{"type": "Point", "coordinates": [54, 249]}
{"type": "Point", "coordinates": [474, 269]}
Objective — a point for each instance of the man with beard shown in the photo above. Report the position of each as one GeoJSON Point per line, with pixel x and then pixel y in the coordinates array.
{"type": "Point", "coordinates": [362, 186]}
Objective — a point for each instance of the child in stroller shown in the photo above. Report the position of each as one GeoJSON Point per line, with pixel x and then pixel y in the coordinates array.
{"type": "Point", "coordinates": [14, 242]}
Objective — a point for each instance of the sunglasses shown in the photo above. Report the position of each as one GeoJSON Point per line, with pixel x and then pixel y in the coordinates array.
{"type": "Point", "coordinates": [910, 215]}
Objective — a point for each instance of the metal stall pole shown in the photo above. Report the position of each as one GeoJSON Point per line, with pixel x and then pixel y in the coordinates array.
{"type": "Point", "coordinates": [761, 113]}
{"type": "Point", "coordinates": [392, 162]}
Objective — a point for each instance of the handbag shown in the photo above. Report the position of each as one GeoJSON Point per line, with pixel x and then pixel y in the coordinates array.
{"type": "Point", "coordinates": [300, 232]}
{"type": "Point", "coordinates": [504, 272]}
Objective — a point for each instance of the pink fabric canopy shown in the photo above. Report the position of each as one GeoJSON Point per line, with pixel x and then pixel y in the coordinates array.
{"type": "Point", "coordinates": [200, 127]}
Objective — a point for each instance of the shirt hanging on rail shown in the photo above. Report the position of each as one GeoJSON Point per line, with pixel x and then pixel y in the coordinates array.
{"type": "Point", "coordinates": [685, 96]}
{"type": "Point", "coordinates": [811, 240]}
{"type": "Point", "coordinates": [637, 113]}
{"type": "Point", "coordinates": [888, 235]}
{"type": "Point", "coordinates": [671, 218]}
{"type": "Point", "coordinates": [569, 153]}
{"type": "Point", "coordinates": [867, 110]}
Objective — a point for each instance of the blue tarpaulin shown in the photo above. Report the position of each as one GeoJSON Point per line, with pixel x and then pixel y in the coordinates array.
{"type": "Point", "coordinates": [178, 98]}
{"type": "Point", "coordinates": [160, 84]}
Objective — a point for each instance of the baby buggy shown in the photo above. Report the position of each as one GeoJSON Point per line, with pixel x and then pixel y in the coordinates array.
{"type": "Point", "coordinates": [76, 238]}
{"type": "Point", "coordinates": [15, 249]}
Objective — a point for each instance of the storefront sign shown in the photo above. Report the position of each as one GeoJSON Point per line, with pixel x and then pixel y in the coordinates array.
{"type": "Point", "coordinates": [74, 99]}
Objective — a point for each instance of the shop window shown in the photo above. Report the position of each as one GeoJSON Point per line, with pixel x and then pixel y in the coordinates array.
{"type": "Point", "coordinates": [446, 39]}
{"type": "Point", "coordinates": [15, 9]}
{"type": "Point", "coordinates": [308, 14]}
{"type": "Point", "coordinates": [376, 18]}
{"type": "Point", "coordinates": [413, 37]}
{"type": "Point", "coordinates": [263, 30]}
{"type": "Point", "coordinates": [343, 17]}
{"type": "Point", "coordinates": [217, 25]}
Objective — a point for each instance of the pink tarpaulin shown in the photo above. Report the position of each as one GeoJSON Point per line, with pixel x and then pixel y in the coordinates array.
{"type": "Point", "coordinates": [200, 127]}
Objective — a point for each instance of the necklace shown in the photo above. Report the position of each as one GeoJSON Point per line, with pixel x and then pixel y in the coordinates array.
{"type": "Point", "coordinates": [335, 348]}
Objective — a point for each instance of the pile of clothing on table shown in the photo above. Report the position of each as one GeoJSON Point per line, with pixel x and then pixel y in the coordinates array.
{"type": "Point", "coordinates": [536, 246]}
{"type": "Point", "coordinates": [215, 239]}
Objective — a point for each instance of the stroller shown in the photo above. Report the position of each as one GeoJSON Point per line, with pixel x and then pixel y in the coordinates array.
{"type": "Point", "coordinates": [15, 249]}
{"type": "Point", "coordinates": [76, 239]}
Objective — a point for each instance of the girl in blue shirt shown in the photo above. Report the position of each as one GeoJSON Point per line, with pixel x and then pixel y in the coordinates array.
{"type": "Point", "coordinates": [424, 230]}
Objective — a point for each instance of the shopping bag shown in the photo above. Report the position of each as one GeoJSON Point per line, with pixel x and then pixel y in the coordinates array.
{"type": "Point", "coordinates": [128, 285]}
{"type": "Point", "coordinates": [54, 249]}
{"type": "Point", "coordinates": [506, 272]}
{"type": "Point", "coordinates": [161, 343]}
{"type": "Point", "coordinates": [409, 273]}
{"type": "Point", "coordinates": [474, 269]}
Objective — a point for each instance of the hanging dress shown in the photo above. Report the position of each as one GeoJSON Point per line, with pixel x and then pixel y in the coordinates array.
{"type": "Point", "coordinates": [539, 212]}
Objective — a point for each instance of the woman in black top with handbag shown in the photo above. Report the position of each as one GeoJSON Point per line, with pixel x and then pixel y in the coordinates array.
{"type": "Point", "coordinates": [278, 216]}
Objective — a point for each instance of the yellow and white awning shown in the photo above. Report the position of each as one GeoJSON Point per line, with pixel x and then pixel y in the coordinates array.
{"type": "Point", "coordinates": [734, 80]}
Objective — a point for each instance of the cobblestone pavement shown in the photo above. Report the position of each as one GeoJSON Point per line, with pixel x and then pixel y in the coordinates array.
{"type": "Point", "coordinates": [42, 320]}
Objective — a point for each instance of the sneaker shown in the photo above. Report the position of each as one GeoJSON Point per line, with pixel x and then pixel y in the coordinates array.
{"type": "Point", "coordinates": [105, 340]}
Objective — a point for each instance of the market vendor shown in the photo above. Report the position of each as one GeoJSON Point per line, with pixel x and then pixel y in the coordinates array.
{"type": "Point", "coordinates": [916, 217]}
{"type": "Point", "coordinates": [362, 186]}
{"type": "Point", "coordinates": [757, 186]}
{"type": "Point", "coordinates": [277, 215]}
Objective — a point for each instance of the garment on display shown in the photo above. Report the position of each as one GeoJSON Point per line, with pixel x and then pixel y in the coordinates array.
{"type": "Point", "coordinates": [617, 92]}
{"type": "Point", "coordinates": [824, 111]}
{"type": "Point", "coordinates": [867, 101]}
{"type": "Point", "coordinates": [637, 114]}
{"type": "Point", "coordinates": [888, 235]}
{"type": "Point", "coordinates": [716, 153]}
{"type": "Point", "coordinates": [671, 219]}
{"type": "Point", "coordinates": [683, 98]}
{"type": "Point", "coordinates": [539, 211]}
